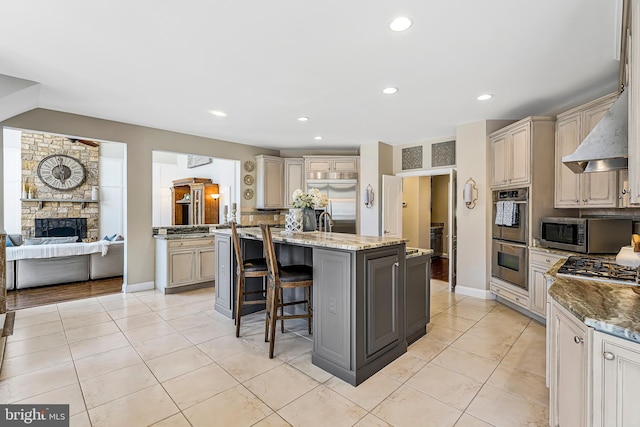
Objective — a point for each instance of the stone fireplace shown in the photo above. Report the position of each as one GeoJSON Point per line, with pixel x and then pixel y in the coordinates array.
{"type": "Point", "coordinates": [61, 227]}
{"type": "Point", "coordinates": [47, 203]}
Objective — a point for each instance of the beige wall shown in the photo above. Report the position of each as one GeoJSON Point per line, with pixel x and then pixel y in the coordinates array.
{"type": "Point", "coordinates": [416, 215]}
{"type": "Point", "coordinates": [141, 141]}
{"type": "Point", "coordinates": [376, 159]}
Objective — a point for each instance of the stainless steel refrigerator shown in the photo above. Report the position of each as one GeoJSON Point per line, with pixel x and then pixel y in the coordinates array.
{"type": "Point", "coordinates": [342, 202]}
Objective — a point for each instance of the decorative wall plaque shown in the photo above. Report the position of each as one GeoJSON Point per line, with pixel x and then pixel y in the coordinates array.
{"type": "Point", "coordinates": [194, 161]}
{"type": "Point", "coordinates": [443, 154]}
{"type": "Point", "coordinates": [412, 158]}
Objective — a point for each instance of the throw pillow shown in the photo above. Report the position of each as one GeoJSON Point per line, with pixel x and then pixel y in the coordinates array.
{"type": "Point", "coordinates": [9, 242]}
{"type": "Point", "coordinates": [119, 237]}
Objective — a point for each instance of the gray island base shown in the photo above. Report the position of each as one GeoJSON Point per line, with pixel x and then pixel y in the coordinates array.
{"type": "Point", "coordinates": [359, 295]}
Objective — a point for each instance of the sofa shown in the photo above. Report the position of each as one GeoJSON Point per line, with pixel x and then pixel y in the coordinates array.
{"type": "Point", "coordinates": [32, 266]}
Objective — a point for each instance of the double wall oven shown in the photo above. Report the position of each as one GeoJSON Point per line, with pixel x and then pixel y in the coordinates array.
{"type": "Point", "coordinates": [510, 236]}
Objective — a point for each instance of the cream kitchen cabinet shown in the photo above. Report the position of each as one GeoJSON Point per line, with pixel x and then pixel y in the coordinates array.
{"type": "Point", "coordinates": [539, 263]}
{"type": "Point", "coordinates": [515, 148]}
{"type": "Point", "coordinates": [293, 179]}
{"type": "Point", "coordinates": [269, 182]}
{"type": "Point", "coordinates": [331, 164]}
{"type": "Point", "coordinates": [616, 381]}
{"type": "Point", "coordinates": [570, 386]}
{"type": "Point", "coordinates": [182, 262]}
{"type": "Point", "coordinates": [633, 47]}
{"type": "Point", "coordinates": [586, 190]}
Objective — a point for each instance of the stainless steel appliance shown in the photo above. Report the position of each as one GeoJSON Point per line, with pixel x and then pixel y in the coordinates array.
{"type": "Point", "coordinates": [519, 230]}
{"type": "Point", "coordinates": [584, 267]}
{"type": "Point", "coordinates": [586, 235]}
{"type": "Point", "coordinates": [342, 201]}
{"type": "Point", "coordinates": [509, 244]}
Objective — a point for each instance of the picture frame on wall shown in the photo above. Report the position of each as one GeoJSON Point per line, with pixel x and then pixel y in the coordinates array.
{"type": "Point", "coordinates": [195, 161]}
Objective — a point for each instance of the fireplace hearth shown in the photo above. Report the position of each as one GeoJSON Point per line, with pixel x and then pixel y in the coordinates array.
{"type": "Point", "coordinates": [61, 227]}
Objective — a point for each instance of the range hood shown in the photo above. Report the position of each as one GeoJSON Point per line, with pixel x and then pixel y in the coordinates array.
{"type": "Point", "coordinates": [605, 147]}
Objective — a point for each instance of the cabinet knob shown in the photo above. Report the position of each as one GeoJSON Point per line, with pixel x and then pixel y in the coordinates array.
{"type": "Point", "coordinates": [386, 232]}
{"type": "Point", "coordinates": [577, 201]}
{"type": "Point", "coordinates": [609, 356]}
{"type": "Point", "coordinates": [548, 260]}
{"type": "Point", "coordinates": [578, 340]}
{"type": "Point", "coordinates": [584, 200]}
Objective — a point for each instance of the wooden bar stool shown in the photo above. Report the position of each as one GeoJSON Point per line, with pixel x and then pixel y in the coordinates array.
{"type": "Point", "coordinates": [249, 268]}
{"type": "Point", "coordinates": [283, 277]}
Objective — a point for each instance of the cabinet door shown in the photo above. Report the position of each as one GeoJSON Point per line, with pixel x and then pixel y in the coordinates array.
{"type": "Point", "coordinates": [318, 165]}
{"type": "Point", "coordinates": [417, 290]}
{"type": "Point", "coordinates": [624, 191]}
{"type": "Point", "coordinates": [293, 179]}
{"type": "Point", "coordinates": [269, 182]}
{"type": "Point", "coordinates": [346, 164]}
{"type": "Point", "coordinates": [570, 386]}
{"type": "Point", "coordinates": [616, 381]}
{"type": "Point", "coordinates": [499, 165]}
{"type": "Point", "coordinates": [382, 303]}
{"type": "Point", "coordinates": [519, 158]}
{"type": "Point", "coordinates": [225, 286]}
{"type": "Point", "coordinates": [598, 188]}
{"type": "Point", "coordinates": [633, 45]}
{"type": "Point", "coordinates": [206, 264]}
{"type": "Point", "coordinates": [537, 290]}
{"type": "Point", "coordinates": [182, 267]}
{"type": "Point", "coordinates": [567, 188]}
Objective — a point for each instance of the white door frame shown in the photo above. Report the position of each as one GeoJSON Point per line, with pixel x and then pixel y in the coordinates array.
{"type": "Point", "coordinates": [452, 209]}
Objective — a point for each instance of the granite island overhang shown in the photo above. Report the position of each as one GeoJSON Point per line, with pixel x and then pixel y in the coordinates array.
{"type": "Point", "coordinates": [359, 298]}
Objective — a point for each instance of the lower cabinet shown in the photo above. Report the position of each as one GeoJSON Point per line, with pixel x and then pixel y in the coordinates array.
{"type": "Point", "coordinates": [570, 380]}
{"type": "Point", "coordinates": [417, 290]}
{"type": "Point", "coordinates": [539, 263]}
{"type": "Point", "coordinates": [616, 381]}
{"type": "Point", "coordinates": [184, 262]}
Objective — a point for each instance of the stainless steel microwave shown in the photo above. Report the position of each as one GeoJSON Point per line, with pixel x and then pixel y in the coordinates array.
{"type": "Point", "coordinates": [586, 235]}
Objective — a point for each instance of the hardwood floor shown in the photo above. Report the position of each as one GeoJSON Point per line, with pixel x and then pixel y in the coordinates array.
{"type": "Point", "coordinates": [440, 269]}
{"type": "Point", "coordinates": [33, 297]}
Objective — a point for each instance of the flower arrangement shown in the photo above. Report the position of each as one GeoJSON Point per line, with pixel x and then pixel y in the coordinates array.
{"type": "Point", "coordinates": [313, 199]}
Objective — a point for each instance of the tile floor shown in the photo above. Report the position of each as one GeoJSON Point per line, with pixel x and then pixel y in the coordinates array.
{"type": "Point", "coordinates": [169, 360]}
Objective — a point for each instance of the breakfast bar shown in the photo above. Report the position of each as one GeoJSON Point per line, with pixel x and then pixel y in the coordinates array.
{"type": "Point", "coordinates": [358, 294]}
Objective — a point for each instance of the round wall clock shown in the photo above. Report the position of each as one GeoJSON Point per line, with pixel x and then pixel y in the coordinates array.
{"type": "Point", "coordinates": [61, 172]}
{"type": "Point", "coordinates": [248, 179]}
{"type": "Point", "coordinates": [248, 194]}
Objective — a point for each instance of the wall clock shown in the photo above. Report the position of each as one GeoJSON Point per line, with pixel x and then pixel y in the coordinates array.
{"type": "Point", "coordinates": [248, 194]}
{"type": "Point", "coordinates": [248, 180]}
{"type": "Point", "coordinates": [61, 172]}
{"type": "Point", "coordinates": [249, 166]}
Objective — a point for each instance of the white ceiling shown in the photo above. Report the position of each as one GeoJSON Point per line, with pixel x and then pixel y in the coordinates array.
{"type": "Point", "coordinates": [166, 64]}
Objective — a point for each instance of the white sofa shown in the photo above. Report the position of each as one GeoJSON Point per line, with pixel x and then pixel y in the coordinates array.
{"type": "Point", "coordinates": [26, 270]}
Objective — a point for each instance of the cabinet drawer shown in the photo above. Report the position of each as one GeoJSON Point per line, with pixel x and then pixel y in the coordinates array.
{"type": "Point", "coordinates": [509, 295]}
{"type": "Point", "coordinates": [543, 259]}
{"type": "Point", "coordinates": [191, 243]}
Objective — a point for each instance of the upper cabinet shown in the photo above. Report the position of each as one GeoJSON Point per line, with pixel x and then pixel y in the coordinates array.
{"type": "Point", "coordinates": [293, 179]}
{"type": "Point", "coordinates": [633, 49]}
{"type": "Point", "coordinates": [586, 190]}
{"type": "Point", "coordinates": [514, 149]}
{"type": "Point", "coordinates": [330, 164]}
{"type": "Point", "coordinates": [269, 182]}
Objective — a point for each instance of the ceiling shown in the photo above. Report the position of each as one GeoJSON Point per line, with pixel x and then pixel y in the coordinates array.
{"type": "Point", "coordinates": [167, 64]}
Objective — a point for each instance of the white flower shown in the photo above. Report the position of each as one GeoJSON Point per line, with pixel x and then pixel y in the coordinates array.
{"type": "Point", "coordinates": [309, 200]}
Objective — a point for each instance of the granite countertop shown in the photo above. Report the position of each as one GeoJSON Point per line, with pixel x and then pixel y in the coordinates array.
{"type": "Point", "coordinates": [418, 252]}
{"type": "Point", "coordinates": [554, 251]}
{"type": "Point", "coordinates": [607, 307]}
{"type": "Point", "coordinates": [352, 242]}
{"type": "Point", "coordinates": [183, 236]}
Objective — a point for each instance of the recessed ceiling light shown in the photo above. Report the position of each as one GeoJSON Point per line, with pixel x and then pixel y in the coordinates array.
{"type": "Point", "coordinates": [219, 113]}
{"type": "Point", "coordinates": [317, 138]}
{"type": "Point", "coordinates": [484, 97]}
{"type": "Point", "coordinates": [390, 90]}
{"type": "Point", "coordinates": [401, 23]}
{"type": "Point", "coordinates": [303, 119]}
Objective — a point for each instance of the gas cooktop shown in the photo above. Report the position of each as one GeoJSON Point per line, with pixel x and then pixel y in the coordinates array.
{"type": "Point", "coordinates": [585, 267]}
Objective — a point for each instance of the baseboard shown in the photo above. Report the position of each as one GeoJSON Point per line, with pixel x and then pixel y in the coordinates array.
{"type": "Point", "coordinates": [137, 287]}
{"type": "Point", "coordinates": [474, 292]}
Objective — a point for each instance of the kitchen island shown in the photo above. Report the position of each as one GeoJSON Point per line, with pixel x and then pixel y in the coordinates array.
{"type": "Point", "coordinates": [358, 294]}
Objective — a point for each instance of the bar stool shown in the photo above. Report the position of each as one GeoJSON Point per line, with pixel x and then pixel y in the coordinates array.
{"type": "Point", "coordinates": [249, 268]}
{"type": "Point", "coordinates": [283, 277]}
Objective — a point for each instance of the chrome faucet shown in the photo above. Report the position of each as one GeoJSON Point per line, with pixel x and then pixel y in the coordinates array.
{"type": "Point", "coordinates": [325, 222]}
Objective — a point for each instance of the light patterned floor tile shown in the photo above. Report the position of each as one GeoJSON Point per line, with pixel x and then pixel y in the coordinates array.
{"type": "Point", "coordinates": [369, 393]}
{"type": "Point", "coordinates": [32, 345]}
{"type": "Point", "coordinates": [68, 395]}
{"type": "Point", "coordinates": [522, 383]}
{"type": "Point", "coordinates": [405, 406]}
{"type": "Point", "coordinates": [447, 386]}
{"type": "Point", "coordinates": [177, 420]}
{"type": "Point", "coordinates": [177, 363]}
{"type": "Point", "coordinates": [160, 346]}
{"type": "Point", "coordinates": [80, 310]}
{"type": "Point", "coordinates": [303, 364]}
{"type": "Point", "coordinates": [426, 348]}
{"type": "Point", "coordinates": [214, 330]}
{"type": "Point", "coordinates": [86, 320]}
{"type": "Point", "coordinates": [404, 367]}
{"type": "Point", "coordinates": [177, 312]}
{"type": "Point", "coordinates": [452, 322]}
{"type": "Point", "coordinates": [129, 311]}
{"type": "Point", "coordinates": [105, 388]}
{"type": "Point", "coordinates": [485, 347]}
{"type": "Point", "coordinates": [98, 345]}
{"type": "Point", "coordinates": [235, 407]}
{"type": "Point", "coordinates": [273, 420]}
{"type": "Point", "coordinates": [37, 382]}
{"type": "Point", "coordinates": [34, 311]}
{"type": "Point", "coordinates": [36, 319]}
{"type": "Point", "coordinates": [442, 334]}
{"type": "Point", "coordinates": [138, 321]}
{"type": "Point", "coordinates": [223, 347]}
{"type": "Point", "coordinates": [467, 420]}
{"type": "Point", "coordinates": [196, 386]}
{"type": "Point", "coordinates": [249, 364]}
{"type": "Point", "coordinates": [471, 365]}
{"type": "Point", "coordinates": [33, 361]}
{"type": "Point", "coordinates": [143, 334]}
{"type": "Point", "coordinates": [280, 386]}
{"type": "Point", "coordinates": [91, 331]}
{"type": "Point", "coordinates": [532, 361]}
{"type": "Point", "coordinates": [103, 363]}
{"type": "Point", "coordinates": [34, 331]}
{"type": "Point", "coordinates": [322, 407]}
{"type": "Point", "coordinates": [80, 420]}
{"type": "Point", "coordinates": [500, 408]}
{"type": "Point", "coordinates": [371, 420]}
{"type": "Point", "coordinates": [142, 408]}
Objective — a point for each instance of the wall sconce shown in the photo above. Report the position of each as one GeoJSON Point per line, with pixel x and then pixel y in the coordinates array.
{"type": "Point", "coordinates": [367, 197]}
{"type": "Point", "coordinates": [470, 193]}
{"type": "Point", "coordinates": [215, 196]}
